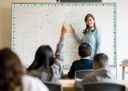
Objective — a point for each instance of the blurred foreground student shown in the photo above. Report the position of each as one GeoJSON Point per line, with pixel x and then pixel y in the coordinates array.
{"type": "Point", "coordinates": [84, 63]}
{"type": "Point", "coordinates": [45, 66]}
{"type": "Point", "coordinates": [101, 72]}
{"type": "Point", "coordinates": [12, 74]}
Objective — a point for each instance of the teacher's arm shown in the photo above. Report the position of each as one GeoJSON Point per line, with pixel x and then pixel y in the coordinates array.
{"type": "Point", "coordinates": [76, 36]}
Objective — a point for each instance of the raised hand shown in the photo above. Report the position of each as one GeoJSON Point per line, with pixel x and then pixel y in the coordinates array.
{"type": "Point", "coordinates": [64, 30]}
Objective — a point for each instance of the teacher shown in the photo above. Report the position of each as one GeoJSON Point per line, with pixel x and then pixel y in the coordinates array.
{"type": "Point", "coordinates": [91, 34]}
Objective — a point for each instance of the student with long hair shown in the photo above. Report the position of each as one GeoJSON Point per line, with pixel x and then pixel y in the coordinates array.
{"type": "Point", "coordinates": [45, 66]}
{"type": "Point", "coordinates": [13, 76]}
{"type": "Point", "coordinates": [91, 35]}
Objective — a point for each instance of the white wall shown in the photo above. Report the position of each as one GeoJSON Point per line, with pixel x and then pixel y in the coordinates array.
{"type": "Point", "coordinates": [122, 34]}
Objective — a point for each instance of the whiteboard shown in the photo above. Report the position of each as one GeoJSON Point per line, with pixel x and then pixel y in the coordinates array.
{"type": "Point", "coordinates": [36, 24]}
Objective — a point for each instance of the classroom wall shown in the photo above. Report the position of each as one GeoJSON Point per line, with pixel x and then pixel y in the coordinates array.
{"type": "Point", "coordinates": [122, 29]}
{"type": "Point", "coordinates": [122, 34]}
{"type": "Point", "coordinates": [5, 20]}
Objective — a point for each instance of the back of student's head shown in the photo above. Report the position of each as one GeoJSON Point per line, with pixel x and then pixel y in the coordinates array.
{"type": "Point", "coordinates": [100, 60]}
{"type": "Point", "coordinates": [84, 50]}
{"type": "Point", "coordinates": [44, 57]}
{"type": "Point", "coordinates": [11, 71]}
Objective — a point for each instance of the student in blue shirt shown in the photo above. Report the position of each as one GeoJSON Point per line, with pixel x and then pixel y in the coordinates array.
{"type": "Point", "coordinates": [91, 34]}
{"type": "Point", "coordinates": [85, 62]}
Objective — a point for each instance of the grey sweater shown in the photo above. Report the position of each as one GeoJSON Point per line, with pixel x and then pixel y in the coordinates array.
{"type": "Point", "coordinates": [100, 75]}
{"type": "Point", "coordinates": [56, 68]}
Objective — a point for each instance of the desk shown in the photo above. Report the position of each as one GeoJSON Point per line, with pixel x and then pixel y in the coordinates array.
{"type": "Point", "coordinates": [68, 84]}
{"type": "Point", "coordinates": [65, 74]}
{"type": "Point", "coordinates": [123, 70]}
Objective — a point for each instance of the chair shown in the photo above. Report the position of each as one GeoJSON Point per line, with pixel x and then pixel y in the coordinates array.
{"type": "Point", "coordinates": [103, 86]}
{"type": "Point", "coordinates": [81, 73]}
{"type": "Point", "coordinates": [53, 86]}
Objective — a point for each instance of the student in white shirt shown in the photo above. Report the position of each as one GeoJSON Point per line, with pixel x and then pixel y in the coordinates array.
{"type": "Point", "coordinates": [12, 74]}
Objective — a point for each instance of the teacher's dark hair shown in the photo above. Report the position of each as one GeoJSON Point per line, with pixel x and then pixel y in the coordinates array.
{"type": "Point", "coordinates": [85, 19]}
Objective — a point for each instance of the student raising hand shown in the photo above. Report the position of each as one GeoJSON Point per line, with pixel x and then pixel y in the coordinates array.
{"type": "Point", "coordinates": [46, 65]}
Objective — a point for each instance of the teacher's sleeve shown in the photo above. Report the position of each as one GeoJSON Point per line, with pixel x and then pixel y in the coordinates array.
{"type": "Point", "coordinates": [98, 41]}
{"type": "Point", "coordinates": [77, 38]}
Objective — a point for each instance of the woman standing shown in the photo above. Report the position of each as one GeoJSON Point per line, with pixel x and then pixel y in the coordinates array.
{"type": "Point", "coordinates": [91, 34]}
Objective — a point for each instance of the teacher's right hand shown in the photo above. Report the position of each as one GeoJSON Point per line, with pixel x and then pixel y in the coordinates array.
{"type": "Point", "coordinates": [73, 31]}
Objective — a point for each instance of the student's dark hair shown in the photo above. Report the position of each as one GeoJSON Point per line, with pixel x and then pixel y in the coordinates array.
{"type": "Point", "coordinates": [11, 71]}
{"type": "Point", "coordinates": [44, 58]}
{"type": "Point", "coordinates": [101, 60]}
{"type": "Point", "coordinates": [85, 19]}
{"type": "Point", "coordinates": [85, 50]}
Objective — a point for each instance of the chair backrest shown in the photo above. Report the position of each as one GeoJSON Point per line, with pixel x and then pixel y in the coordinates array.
{"type": "Point", "coordinates": [53, 86]}
{"type": "Point", "coordinates": [81, 73]}
{"type": "Point", "coordinates": [103, 86]}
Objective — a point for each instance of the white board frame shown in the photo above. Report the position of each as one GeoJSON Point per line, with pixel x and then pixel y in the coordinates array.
{"type": "Point", "coordinates": [16, 45]}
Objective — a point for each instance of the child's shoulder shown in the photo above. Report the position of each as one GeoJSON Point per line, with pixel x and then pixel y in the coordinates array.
{"type": "Point", "coordinates": [76, 61]}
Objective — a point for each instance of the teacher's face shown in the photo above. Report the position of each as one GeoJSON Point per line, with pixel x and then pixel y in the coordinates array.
{"type": "Point", "coordinates": [90, 22]}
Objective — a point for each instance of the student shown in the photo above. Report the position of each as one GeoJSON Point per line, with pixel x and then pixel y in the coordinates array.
{"type": "Point", "coordinates": [13, 77]}
{"type": "Point", "coordinates": [85, 62]}
{"type": "Point", "coordinates": [45, 66]}
{"type": "Point", "coordinates": [91, 35]}
{"type": "Point", "coordinates": [101, 72]}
